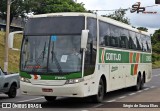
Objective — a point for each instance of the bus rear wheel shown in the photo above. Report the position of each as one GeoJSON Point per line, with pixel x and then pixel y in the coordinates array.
{"type": "Point", "coordinates": [142, 83]}
{"type": "Point", "coordinates": [99, 97]}
{"type": "Point", "coordinates": [137, 87]}
{"type": "Point", "coordinates": [50, 98]}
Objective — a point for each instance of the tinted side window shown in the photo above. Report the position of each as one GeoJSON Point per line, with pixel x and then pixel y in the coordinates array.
{"type": "Point", "coordinates": [92, 27]}
{"type": "Point", "coordinates": [132, 40]}
{"type": "Point", "coordinates": [104, 34]}
{"type": "Point", "coordinates": [148, 43]}
{"type": "Point", "coordinates": [115, 36]}
{"type": "Point", "coordinates": [90, 57]}
{"type": "Point", "coordinates": [138, 41]}
{"type": "Point", "coordinates": [124, 38]}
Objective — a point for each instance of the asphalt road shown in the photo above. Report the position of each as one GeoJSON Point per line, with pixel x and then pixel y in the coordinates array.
{"type": "Point", "coordinates": [113, 101]}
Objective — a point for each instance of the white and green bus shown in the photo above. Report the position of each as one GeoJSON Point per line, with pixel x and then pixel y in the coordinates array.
{"type": "Point", "coordinates": [81, 55]}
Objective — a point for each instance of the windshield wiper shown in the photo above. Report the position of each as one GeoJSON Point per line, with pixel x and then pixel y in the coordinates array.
{"type": "Point", "coordinates": [56, 61]}
{"type": "Point", "coordinates": [44, 50]}
{"type": "Point", "coordinates": [40, 57]}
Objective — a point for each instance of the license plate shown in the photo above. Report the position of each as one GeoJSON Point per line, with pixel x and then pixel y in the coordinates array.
{"type": "Point", "coordinates": [47, 90]}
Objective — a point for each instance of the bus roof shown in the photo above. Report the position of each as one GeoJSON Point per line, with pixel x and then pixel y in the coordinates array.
{"type": "Point", "coordinates": [105, 19]}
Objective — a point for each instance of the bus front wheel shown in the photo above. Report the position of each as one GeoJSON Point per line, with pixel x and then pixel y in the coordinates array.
{"type": "Point", "coordinates": [100, 95]}
{"type": "Point", "coordinates": [50, 98]}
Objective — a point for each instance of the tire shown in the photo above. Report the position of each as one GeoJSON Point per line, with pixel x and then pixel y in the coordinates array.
{"type": "Point", "coordinates": [98, 98]}
{"type": "Point", "coordinates": [50, 98]}
{"type": "Point", "coordinates": [142, 83]}
{"type": "Point", "coordinates": [138, 86]}
{"type": "Point", "coordinates": [12, 91]}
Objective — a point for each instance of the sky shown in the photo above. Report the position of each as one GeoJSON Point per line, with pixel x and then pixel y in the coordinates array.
{"type": "Point", "coordinates": [150, 21]}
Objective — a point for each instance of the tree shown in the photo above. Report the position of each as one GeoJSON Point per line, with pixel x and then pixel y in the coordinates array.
{"type": "Point", "coordinates": [143, 29]}
{"type": "Point", "coordinates": [156, 37]}
{"type": "Point", "coordinates": [52, 6]}
{"type": "Point", "coordinates": [22, 7]}
{"type": "Point", "coordinates": [156, 45]}
{"type": "Point", "coordinates": [119, 15]}
{"type": "Point", "coordinates": [17, 9]}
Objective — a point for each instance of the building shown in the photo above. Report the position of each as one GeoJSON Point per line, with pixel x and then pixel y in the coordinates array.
{"type": "Point", "coordinates": [16, 25]}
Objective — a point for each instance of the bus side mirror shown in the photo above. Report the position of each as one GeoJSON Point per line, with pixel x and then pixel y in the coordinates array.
{"type": "Point", "coordinates": [11, 39]}
{"type": "Point", "coordinates": [84, 38]}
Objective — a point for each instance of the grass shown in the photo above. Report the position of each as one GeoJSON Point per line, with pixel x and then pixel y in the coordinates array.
{"type": "Point", "coordinates": [14, 56]}
{"type": "Point", "coordinates": [156, 64]}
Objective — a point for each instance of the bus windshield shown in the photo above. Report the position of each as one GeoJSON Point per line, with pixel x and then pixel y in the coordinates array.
{"type": "Point", "coordinates": [51, 54]}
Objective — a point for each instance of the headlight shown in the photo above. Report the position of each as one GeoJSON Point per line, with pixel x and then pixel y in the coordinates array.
{"type": "Point", "coordinates": [25, 80]}
{"type": "Point", "coordinates": [72, 81]}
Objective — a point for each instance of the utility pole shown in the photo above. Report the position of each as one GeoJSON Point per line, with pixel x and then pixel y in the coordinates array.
{"type": "Point", "coordinates": [6, 39]}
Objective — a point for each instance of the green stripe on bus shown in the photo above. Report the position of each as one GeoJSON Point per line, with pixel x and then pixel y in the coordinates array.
{"type": "Point", "coordinates": [134, 58]}
{"type": "Point", "coordinates": [26, 75]}
{"type": "Point", "coordinates": [141, 60]}
{"type": "Point", "coordinates": [146, 58]}
{"type": "Point", "coordinates": [68, 76]}
{"type": "Point", "coordinates": [132, 69]}
{"type": "Point", "coordinates": [113, 56]}
{"type": "Point", "coordinates": [53, 77]}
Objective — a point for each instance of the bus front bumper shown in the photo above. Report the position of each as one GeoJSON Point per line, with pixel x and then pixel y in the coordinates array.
{"type": "Point", "coordinates": [68, 90]}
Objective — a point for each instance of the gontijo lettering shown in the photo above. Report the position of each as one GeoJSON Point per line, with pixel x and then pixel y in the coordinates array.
{"type": "Point", "coordinates": [113, 56]}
